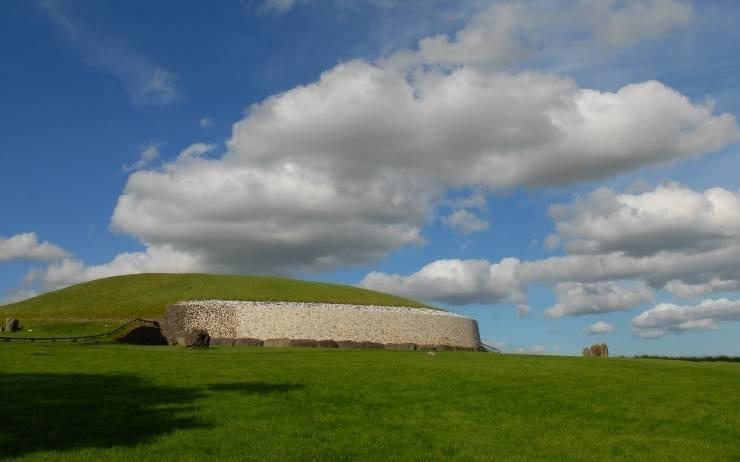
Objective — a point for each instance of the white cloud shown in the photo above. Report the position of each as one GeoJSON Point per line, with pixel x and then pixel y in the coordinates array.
{"type": "Point", "coordinates": [576, 298]}
{"type": "Point", "coordinates": [684, 289]}
{"type": "Point", "coordinates": [206, 122]}
{"type": "Point", "coordinates": [146, 82]}
{"type": "Point", "coordinates": [148, 154]}
{"type": "Point", "coordinates": [156, 259]}
{"type": "Point", "coordinates": [26, 246]}
{"type": "Point", "coordinates": [509, 32]}
{"type": "Point", "coordinates": [192, 153]}
{"type": "Point", "coordinates": [667, 317]}
{"type": "Point", "coordinates": [671, 237]}
{"type": "Point", "coordinates": [457, 282]}
{"type": "Point", "coordinates": [638, 20]}
{"type": "Point", "coordinates": [309, 174]}
{"type": "Point", "coordinates": [600, 327]}
{"type": "Point", "coordinates": [670, 217]}
{"type": "Point", "coordinates": [343, 170]}
{"type": "Point", "coordinates": [465, 222]}
{"type": "Point", "coordinates": [17, 295]}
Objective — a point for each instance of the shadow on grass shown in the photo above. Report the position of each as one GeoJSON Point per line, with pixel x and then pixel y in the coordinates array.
{"type": "Point", "coordinates": [59, 412]}
{"type": "Point", "coordinates": [255, 388]}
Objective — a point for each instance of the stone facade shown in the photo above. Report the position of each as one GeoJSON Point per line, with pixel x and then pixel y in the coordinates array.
{"type": "Point", "coordinates": [321, 322]}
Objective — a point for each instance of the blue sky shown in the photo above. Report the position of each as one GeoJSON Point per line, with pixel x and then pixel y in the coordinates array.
{"type": "Point", "coordinates": [413, 147]}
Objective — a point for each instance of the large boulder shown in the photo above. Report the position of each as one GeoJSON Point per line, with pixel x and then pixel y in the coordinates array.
{"type": "Point", "coordinates": [12, 325]}
{"type": "Point", "coordinates": [197, 338]}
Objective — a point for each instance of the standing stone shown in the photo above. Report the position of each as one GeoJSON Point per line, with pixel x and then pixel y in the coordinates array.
{"type": "Point", "coordinates": [587, 352]}
{"type": "Point", "coordinates": [12, 325]}
{"type": "Point", "coordinates": [596, 350]}
{"type": "Point", "coordinates": [604, 350]}
{"type": "Point", "coordinates": [198, 338]}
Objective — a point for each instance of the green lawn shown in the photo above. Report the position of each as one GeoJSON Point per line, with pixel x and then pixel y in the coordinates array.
{"type": "Point", "coordinates": [122, 402]}
{"type": "Point", "coordinates": [61, 328]}
{"type": "Point", "coordinates": [124, 298]}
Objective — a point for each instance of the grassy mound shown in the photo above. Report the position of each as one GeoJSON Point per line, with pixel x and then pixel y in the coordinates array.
{"type": "Point", "coordinates": [147, 295]}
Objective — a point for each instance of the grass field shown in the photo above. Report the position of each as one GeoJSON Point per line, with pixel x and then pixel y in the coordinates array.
{"type": "Point", "coordinates": [85, 308]}
{"type": "Point", "coordinates": [123, 402]}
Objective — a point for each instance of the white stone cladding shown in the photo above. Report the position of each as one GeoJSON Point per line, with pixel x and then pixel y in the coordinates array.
{"type": "Point", "coordinates": [325, 321]}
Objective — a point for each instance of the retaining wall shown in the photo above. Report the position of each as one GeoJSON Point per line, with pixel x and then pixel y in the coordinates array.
{"type": "Point", "coordinates": [321, 321]}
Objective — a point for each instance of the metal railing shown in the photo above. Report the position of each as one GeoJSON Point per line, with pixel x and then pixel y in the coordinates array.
{"type": "Point", "coordinates": [115, 331]}
{"type": "Point", "coordinates": [489, 348]}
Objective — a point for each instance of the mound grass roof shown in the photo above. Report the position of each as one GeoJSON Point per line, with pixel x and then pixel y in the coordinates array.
{"type": "Point", "coordinates": [147, 295]}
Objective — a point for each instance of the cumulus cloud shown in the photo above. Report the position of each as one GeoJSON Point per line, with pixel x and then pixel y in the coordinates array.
{"type": "Point", "coordinates": [26, 246]}
{"type": "Point", "coordinates": [17, 295]}
{"type": "Point", "coordinates": [600, 327]}
{"type": "Point", "coordinates": [457, 282]}
{"type": "Point", "coordinates": [147, 82]}
{"type": "Point", "coordinates": [148, 153]}
{"type": "Point", "coordinates": [637, 20]}
{"type": "Point", "coordinates": [680, 288]}
{"type": "Point", "coordinates": [668, 218]}
{"type": "Point", "coordinates": [465, 222]}
{"type": "Point", "coordinates": [508, 32]}
{"type": "Point", "coordinates": [345, 169]}
{"type": "Point", "coordinates": [667, 317]}
{"type": "Point", "coordinates": [643, 239]}
{"type": "Point", "coordinates": [576, 298]}
{"type": "Point", "coordinates": [155, 259]}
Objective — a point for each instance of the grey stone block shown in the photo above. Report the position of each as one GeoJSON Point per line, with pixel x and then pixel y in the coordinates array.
{"type": "Point", "coordinates": [328, 344]}
{"type": "Point", "coordinates": [12, 325]}
{"type": "Point", "coordinates": [400, 346]}
{"type": "Point", "coordinates": [277, 342]}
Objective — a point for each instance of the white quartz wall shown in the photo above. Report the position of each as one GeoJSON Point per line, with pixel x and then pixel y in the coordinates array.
{"type": "Point", "coordinates": [324, 321]}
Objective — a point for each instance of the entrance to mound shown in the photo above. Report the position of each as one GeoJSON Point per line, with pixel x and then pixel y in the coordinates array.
{"type": "Point", "coordinates": [144, 335]}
